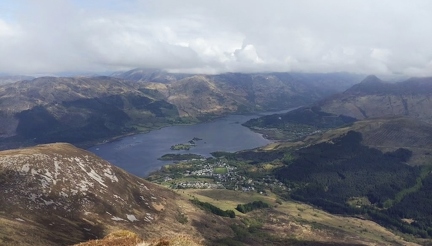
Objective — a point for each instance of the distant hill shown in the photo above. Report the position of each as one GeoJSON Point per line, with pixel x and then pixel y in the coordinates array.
{"type": "Point", "coordinates": [374, 98]}
{"type": "Point", "coordinates": [388, 134]}
{"type": "Point", "coordinates": [77, 110]}
{"type": "Point", "coordinates": [371, 98]}
{"type": "Point", "coordinates": [197, 95]}
{"type": "Point", "coordinates": [85, 110]}
{"type": "Point", "coordinates": [6, 79]}
{"type": "Point", "coordinates": [149, 75]}
{"type": "Point", "coordinates": [297, 123]}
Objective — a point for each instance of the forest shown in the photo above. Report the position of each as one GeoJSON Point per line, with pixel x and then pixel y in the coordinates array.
{"type": "Point", "coordinates": [346, 177]}
{"type": "Point", "coordinates": [213, 209]}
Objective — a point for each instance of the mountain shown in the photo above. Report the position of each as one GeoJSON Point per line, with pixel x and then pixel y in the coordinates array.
{"type": "Point", "coordinates": [387, 135]}
{"type": "Point", "coordinates": [374, 98]}
{"type": "Point", "coordinates": [6, 79]}
{"type": "Point", "coordinates": [369, 99]}
{"type": "Point", "coordinates": [201, 95]}
{"type": "Point", "coordinates": [297, 123]}
{"type": "Point", "coordinates": [365, 151]}
{"type": "Point", "coordinates": [57, 194]}
{"type": "Point", "coordinates": [343, 175]}
{"type": "Point", "coordinates": [85, 110]}
{"type": "Point", "coordinates": [77, 110]}
{"type": "Point", "coordinates": [149, 75]}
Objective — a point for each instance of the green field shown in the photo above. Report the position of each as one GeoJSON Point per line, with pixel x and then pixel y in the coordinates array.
{"type": "Point", "coordinates": [220, 170]}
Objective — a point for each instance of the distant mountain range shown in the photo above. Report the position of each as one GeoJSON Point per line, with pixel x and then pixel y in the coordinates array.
{"type": "Point", "coordinates": [77, 110]}
{"type": "Point", "coordinates": [83, 110]}
{"type": "Point", "coordinates": [197, 95]}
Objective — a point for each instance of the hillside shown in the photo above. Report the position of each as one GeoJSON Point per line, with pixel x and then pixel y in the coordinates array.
{"type": "Point", "coordinates": [344, 176]}
{"type": "Point", "coordinates": [198, 95]}
{"type": "Point", "coordinates": [312, 127]}
{"type": "Point", "coordinates": [371, 98]}
{"type": "Point", "coordinates": [341, 172]}
{"type": "Point", "coordinates": [6, 79]}
{"type": "Point", "coordinates": [297, 123]}
{"type": "Point", "coordinates": [374, 167]}
{"type": "Point", "coordinates": [388, 134]}
{"type": "Point", "coordinates": [86, 110]}
{"type": "Point", "coordinates": [57, 194]}
{"type": "Point", "coordinates": [77, 110]}
{"type": "Point", "coordinates": [374, 98]}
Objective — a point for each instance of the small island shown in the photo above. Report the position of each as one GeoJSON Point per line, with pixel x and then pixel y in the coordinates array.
{"type": "Point", "coordinates": [182, 146]}
{"type": "Point", "coordinates": [186, 146]}
{"type": "Point", "coordinates": [180, 157]}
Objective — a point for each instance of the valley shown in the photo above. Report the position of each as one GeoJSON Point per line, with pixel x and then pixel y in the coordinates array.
{"type": "Point", "coordinates": [325, 178]}
{"type": "Point", "coordinates": [215, 123]}
{"type": "Point", "coordinates": [65, 195]}
{"type": "Point", "coordinates": [89, 110]}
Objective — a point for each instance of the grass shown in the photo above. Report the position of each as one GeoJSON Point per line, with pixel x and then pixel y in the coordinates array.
{"type": "Point", "coordinates": [127, 238]}
{"type": "Point", "coordinates": [346, 225]}
{"type": "Point", "coordinates": [220, 170]}
{"type": "Point", "coordinates": [426, 170]}
{"type": "Point", "coordinates": [304, 216]}
{"type": "Point", "coordinates": [188, 179]}
{"type": "Point", "coordinates": [226, 199]}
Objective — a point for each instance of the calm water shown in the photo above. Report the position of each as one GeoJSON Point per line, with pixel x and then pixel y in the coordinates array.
{"type": "Point", "coordinates": [138, 154]}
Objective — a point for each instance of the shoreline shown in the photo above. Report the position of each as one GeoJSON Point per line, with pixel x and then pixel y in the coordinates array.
{"type": "Point", "coordinates": [92, 144]}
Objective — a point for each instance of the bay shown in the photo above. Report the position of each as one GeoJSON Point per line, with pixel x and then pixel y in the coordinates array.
{"type": "Point", "coordinates": [138, 154]}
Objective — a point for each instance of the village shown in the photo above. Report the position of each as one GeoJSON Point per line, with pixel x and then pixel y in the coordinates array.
{"type": "Point", "coordinates": [213, 173]}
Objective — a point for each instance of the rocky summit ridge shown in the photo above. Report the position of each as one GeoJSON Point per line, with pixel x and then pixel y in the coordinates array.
{"type": "Point", "coordinates": [61, 195]}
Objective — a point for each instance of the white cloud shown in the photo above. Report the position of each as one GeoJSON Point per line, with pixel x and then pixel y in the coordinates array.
{"type": "Point", "coordinates": [365, 36]}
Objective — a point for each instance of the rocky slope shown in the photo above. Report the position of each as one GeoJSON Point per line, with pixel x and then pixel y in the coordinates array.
{"type": "Point", "coordinates": [374, 98]}
{"type": "Point", "coordinates": [57, 194]}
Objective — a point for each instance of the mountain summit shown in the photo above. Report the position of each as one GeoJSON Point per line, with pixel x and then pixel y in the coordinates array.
{"type": "Point", "coordinates": [374, 98]}
{"type": "Point", "coordinates": [58, 194]}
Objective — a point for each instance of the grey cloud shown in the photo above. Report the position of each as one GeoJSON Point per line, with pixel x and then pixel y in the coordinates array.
{"type": "Point", "coordinates": [382, 37]}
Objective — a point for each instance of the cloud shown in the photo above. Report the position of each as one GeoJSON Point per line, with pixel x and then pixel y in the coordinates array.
{"type": "Point", "coordinates": [381, 37]}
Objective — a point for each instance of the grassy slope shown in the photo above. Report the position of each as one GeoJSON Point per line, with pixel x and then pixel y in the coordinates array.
{"type": "Point", "coordinates": [300, 221]}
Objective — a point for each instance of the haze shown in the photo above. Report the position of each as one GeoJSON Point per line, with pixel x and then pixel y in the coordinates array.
{"type": "Point", "coordinates": [379, 37]}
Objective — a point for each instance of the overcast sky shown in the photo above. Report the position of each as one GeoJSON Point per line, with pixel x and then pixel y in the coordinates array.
{"type": "Point", "coordinates": [362, 36]}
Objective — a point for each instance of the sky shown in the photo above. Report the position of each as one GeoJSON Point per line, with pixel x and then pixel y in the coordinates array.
{"type": "Point", "coordinates": [386, 37]}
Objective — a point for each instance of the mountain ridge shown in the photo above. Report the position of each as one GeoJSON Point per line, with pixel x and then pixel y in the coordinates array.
{"type": "Point", "coordinates": [242, 93]}
{"type": "Point", "coordinates": [77, 110]}
{"type": "Point", "coordinates": [60, 194]}
{"type": "Point", "coordinates": [86, 110]}
{"type": "Point", "coordinates": [368, 99]}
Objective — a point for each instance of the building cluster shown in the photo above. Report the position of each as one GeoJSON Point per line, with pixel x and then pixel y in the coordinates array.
{"type": "Point", "coordinates": [216, 174]}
